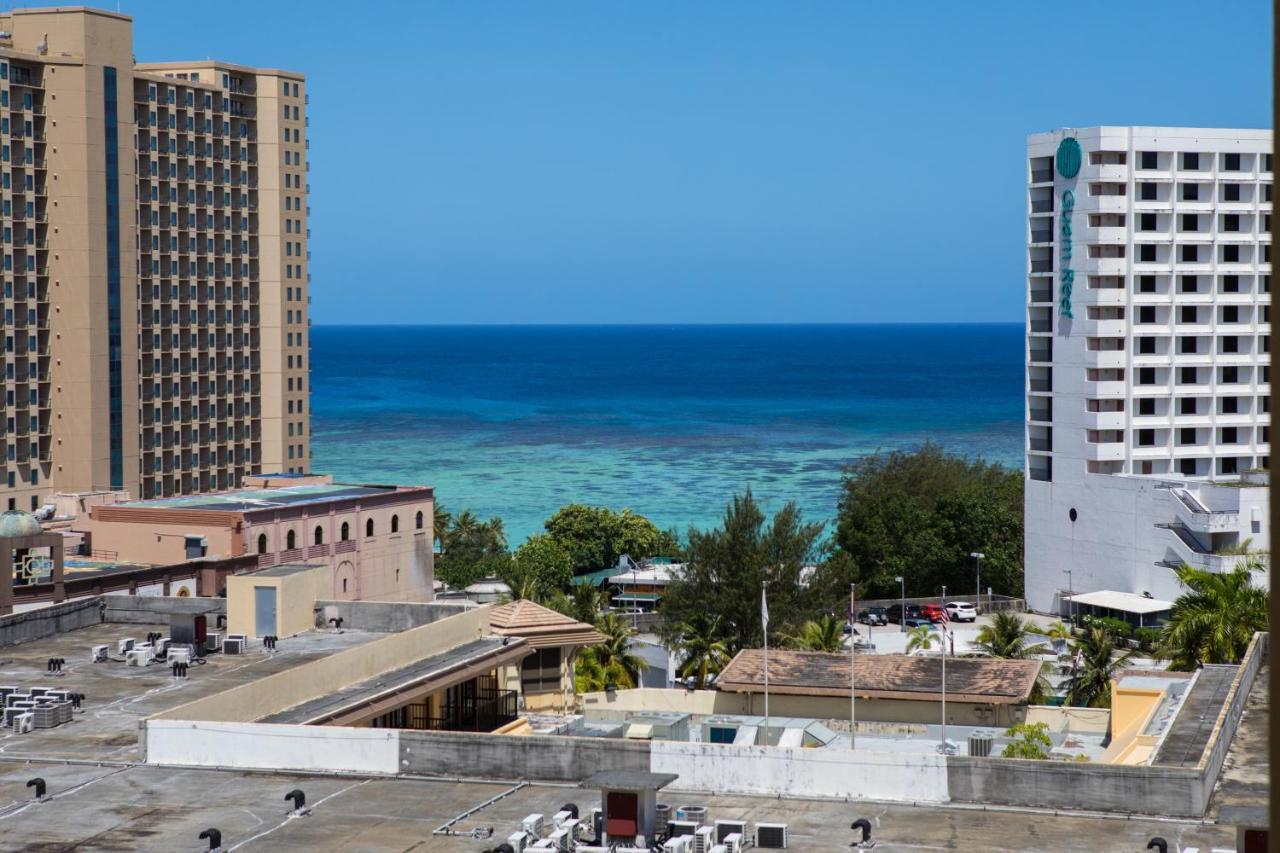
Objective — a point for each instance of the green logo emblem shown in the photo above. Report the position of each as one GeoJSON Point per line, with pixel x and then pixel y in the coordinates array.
{"type": "Point", "coordinates": [1068, 157]}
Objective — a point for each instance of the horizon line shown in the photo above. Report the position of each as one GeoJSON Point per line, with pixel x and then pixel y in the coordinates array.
{"type": "Point", "coordinates": [755, 323]}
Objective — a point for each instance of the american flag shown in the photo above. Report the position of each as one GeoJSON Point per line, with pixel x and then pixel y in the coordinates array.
{"type": "Point", "coordinates": [946, 618]}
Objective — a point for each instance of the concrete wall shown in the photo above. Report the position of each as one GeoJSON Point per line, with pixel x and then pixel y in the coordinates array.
{"type": "Point", "coordinates": [1172, 791]}
{"type": "Point", "coordinates": [542, 758]}
{"type": "Point", "coordinates": [787, 772]}
{"type": "Point", "coordinates": [266, 696]}
{"type": "Point", "coordinates": [155, 610]}
{"type": "Point", "coordinates": [271, 747]}
{"type": "Point", "coordinates": [392, 616]}
{"type": "Point", "coordinates": [46, 621]}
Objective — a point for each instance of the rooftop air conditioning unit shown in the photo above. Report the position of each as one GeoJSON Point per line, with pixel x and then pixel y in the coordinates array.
{"type": "Point", "coordinates": [544, 844]}
{"type": "Point", "coordinates": [213, 641]}
{"type": "Point", "coordinates": [631, 850]}
{"type": "Point", "coordinates": [679, 844]}
{"type": "Point", "coordinates": [233, 646]}
{"type": "Point", "coordinates": [574, 827]}
{"type": "Point", "coordinates": [23, 723]}
{"type": "Point", "coordinates": [518, 841]}
{"type": "Point", "coordinates": [181, 654]}
{"type": "Point", "coordinates": [703, 839]}
{"type": "Point", "coordinates": [560, 840]}
{"type": "Point", "coordinates": [662, 813]}
{"type": "Point", "coordinates": [124, 645]}
{"type": "Point", "coordinates": [733, 842]}
{"type": "Point", "coordinates": [589, 848]}
{"type": "Point", "coordinates": [676, 828]}
{"type": "Point", "coordinates": [697, 814]}
{"type": "Point", "coordinates": [771, 836]}
{"type": "Point", "coordinates": [98, 654]}
{"type": "Point", "coordinates": [135, 657]}
{"type": "Point", "coordinates": [532, 824]}
{"type": "Point", "coordinates": [725, 828]}
{"type": "Point", "coordinates": [558, 819]}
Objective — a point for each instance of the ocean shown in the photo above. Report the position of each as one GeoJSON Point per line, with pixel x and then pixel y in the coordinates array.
{"type": "Point", "coordinates": [671, 421]}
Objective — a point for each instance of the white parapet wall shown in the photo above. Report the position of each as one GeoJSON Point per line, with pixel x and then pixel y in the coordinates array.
{"type": "Point", "coordinates": [785, 772]}
{"type": "Point", "coordinates": [326, 749]}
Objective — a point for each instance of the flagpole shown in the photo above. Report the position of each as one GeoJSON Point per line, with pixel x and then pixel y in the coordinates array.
{"type": "Point", "coordinates": [853, 691]}
{"type": "Point", "coordinates": [764, 618]}
{"type": "Point", "coordinates": [944, 677]}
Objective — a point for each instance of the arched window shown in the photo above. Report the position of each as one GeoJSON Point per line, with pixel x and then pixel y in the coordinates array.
{"type": "Point", "coordinates": [262, 543]}
{"type": "Point", "coordinates": [319, 535]}
{"type": "Point", "coordinates": [368, 527]}
{"type": "Point", "coordinates": [346, 531]}
{"type": "Point", "coordinates": [290, 540]}
{"type": "Point", "coordinates": [395, 524]}
{"type": "Point", "coordinates": [418, 521]}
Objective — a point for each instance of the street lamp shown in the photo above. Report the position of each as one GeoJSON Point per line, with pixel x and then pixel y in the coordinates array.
{"type": "Point", "coordinates": [978, 555]}
{"type": "Point", "coordinates": [902, 614]}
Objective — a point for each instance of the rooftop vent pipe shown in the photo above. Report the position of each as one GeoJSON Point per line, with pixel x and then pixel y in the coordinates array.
{"type": "Point", "coordinates": [38, 784]}
{"type": "Point", "coordinates": [1159, 844]}
{"type": "Point", "coordinates": [299, 799]}
{"type": "Point", "coordinates": [214, 836]}
{"type": "Point", "coordinates": [865, 825]}
{"type": "Point", "coordinates": [571, 808]}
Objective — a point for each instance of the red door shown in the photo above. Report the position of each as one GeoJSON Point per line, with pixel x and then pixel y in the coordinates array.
{"type": "Point", "coordinates": [621, 811]}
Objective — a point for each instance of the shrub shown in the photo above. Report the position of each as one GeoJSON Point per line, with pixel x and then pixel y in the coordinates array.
{"type": "Point", "coordinates": [1148, 638]}
{"type": "Point", "coordinates": [1117, 628]}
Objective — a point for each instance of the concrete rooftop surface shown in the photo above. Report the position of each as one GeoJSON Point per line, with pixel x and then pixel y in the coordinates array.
{"type": "Point", "coordinates": [91, 808]}
{"type": "Point", "coordinates": [118, 697]}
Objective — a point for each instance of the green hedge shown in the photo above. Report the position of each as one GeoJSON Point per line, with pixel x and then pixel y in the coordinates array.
{"type": "Point", "coordinates": [1117, 628]}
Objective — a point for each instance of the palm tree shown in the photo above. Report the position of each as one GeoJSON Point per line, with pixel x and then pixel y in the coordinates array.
{"type": "Point", "coordinates": [1006, 636]}
{"type": "Point", "coordinates": [524, 584]}
{"type": "Point", "coordinates": [583, 602]}
{"type": "Point", "coordinates": [496, 533]}
{"type": "Point", "coordinates": [824, 634]}
{"type": "Point", "coordinates": [1214, 620]}
{"type": "Point", "coordinates": [920, 637]}
{"type": "Point", "coordinates": [1096, 663]}
{"type": "Point", "coordinates": [441, 520]}
{"type": "Point", "coordinates": [705, 654]}
{"type": "Point", "coordinates": [1058, 631]}
{"type": "Point", "coordinates": [613, 659]}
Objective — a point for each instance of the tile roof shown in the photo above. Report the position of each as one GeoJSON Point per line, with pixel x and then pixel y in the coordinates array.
{"type": "Point", "coordinates": [541, 626]}
{"type": "Point", "coordinates": [985, 680]}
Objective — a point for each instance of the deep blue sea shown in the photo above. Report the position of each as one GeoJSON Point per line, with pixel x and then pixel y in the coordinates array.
{"type": "Point", "coordinates": [671, 421]}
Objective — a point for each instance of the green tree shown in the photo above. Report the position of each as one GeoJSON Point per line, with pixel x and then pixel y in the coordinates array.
{"type": "Point", "coordinates": [920, 513]}
{"type": "Point", "coordinates": [611, 661]}
{"type": "Point", "coordinates": [595, 537]}
{"type": "Point", "coordinates": [1214, 620]}
{"type": "Point", "coordinates": [1007, 636]}
{"type": "Point", "coordinates": [442, 520]}
{"type": "Point", "coordinates": [921, 637]}
{"type": "Point", "coordinates": [726, 567]}
{"type": "Point", "coordinates": [541, 567]}
{"type": "Point", "coordinates": [1033, 741]}
{"type": "Point", "coordinates": [703, 651]}
{"type": "Point", "coordinates": [584, 602]}
{"type": "Point", "coordinates": [1096, 663]}
{"type": "Point", "coordinates": [824, 634]}
{"type": "Point", "coordinates": [472, 549]}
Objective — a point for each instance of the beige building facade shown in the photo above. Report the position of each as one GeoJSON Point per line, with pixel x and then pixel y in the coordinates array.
{"type": "Point", "coordinates": [155, 264]}
{"type": "Point", "coordinates": [376, 540]}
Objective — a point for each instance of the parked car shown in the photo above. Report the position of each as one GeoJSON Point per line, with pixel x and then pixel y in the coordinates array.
{"type": "Point", "coordinates": [895, 613]}
{"type": "Point", "coordinates": [917, 621]}
{"type": "Point", "coordinates": [932, 612]}
{"type": "Point", "coordinates": [873, 616]}
{"type": "Point", "coordinates": [961, 611]}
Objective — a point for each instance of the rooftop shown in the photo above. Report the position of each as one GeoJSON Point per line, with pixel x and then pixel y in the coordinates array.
{"type": "Point", "coordinates": [285, 570]}
{"type": "Point", "coordinates": [244, 500]}
{"type": "Point", "coordinates": [542, 626]}
{"type": "Point", "coordinates": [881, 676]}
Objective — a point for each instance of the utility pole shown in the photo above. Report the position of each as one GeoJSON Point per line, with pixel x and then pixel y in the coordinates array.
{"type": "Point", "coordinates": [944, 684]}
{"type": "Point", "coordinates": [978, 555]}
{"type": "Point", "coordinates": [902, 616]}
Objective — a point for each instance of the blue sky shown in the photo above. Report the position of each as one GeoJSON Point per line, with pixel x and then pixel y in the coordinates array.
{"type": "Point", "coordinates": [555, 162]}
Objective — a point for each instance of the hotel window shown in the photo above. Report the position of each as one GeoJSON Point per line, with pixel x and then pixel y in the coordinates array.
{"type": "Point", "coordinates": [1146, 406]}
{"type": "Point", "coordinates": [1187, 314]}
{"type": "Point", "coordinates": [319, 535]}
{"type": "Point", "coordinates": [1147, 253]}
{"type": "Point", "coordinates": [1231, 313]}
{"type": "Point", "coordinates": [1230, 375]}
{"type": "Point", "coordinates": [262, 543]}
{"type": "Point", "coordinates": [1146, 284]}
{"type": "Point", "coordinates": [1146, 313]}
{"type": "Point", "coordinates": [1190, 192]}
{"type": "Point", "coordinates": [1187, 376]}
{"type": "Point", "coordinates": [1146, 345]}
{"type": "Point", "coordinates": [1148, 160]}
{"type": "Point", "coordinates": [1231, 254]}
{"type": "Point", "coordinates": [1188, 406]}
{"type": "Point", "coordinates": [345, 533]}
{"type": "Point", "coordinates": [1230, 192]}
{"type": "Point", "coordinates": [1189, 254]}
{"type": "Point", "coordinates": [1187, 435]}
{"type": "Point", "coordinates": [1146, 222]}
{"type": "Point", "coordinates": [1146, 438]}
{"type": "Point", "coordinates": [1190, 222]}
{"type": "Point", "coordinates": [1231, 284]}
{"type": "Point", "coordinates": [1188, 284]}
{"type": "Point", "coordinates": [1191, 161]}
{"type": "Point", "coordinates": [1146, 192]}
{"type": "Point", "coordinates": [1230, 406]}
{"type": "Point", "coordinates": [1230, 344]}
{"type": "Point", "coordinates": [1187, 345]}
{"type": "Point", "coordinates": [1231, 162]}
{"type": "Point", "coordinates": [419, 520]}
{"type": "Point", "coordinates": [395, 520]}
{"type": "Point", "coordinates": [1146, 376]}
{"type": "Point", "coordinates": [1231, 222]}
{"type": "Point", "coordinates": [1187, 467]}
{"type": "Point", "coordinates": [1229, 436]}
{"type": "Point", "coordinates": [368, 526]}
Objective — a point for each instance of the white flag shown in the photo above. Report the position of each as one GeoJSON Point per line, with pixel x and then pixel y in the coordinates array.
{"type": "Point", "coordinates": [764, 608]}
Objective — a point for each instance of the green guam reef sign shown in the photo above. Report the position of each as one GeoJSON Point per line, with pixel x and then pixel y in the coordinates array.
{"type": "Point", "coordinates": [1068, 161]}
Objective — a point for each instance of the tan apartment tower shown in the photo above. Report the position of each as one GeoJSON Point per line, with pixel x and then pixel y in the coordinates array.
{"type": "Point", "coordinates": [155, 264]}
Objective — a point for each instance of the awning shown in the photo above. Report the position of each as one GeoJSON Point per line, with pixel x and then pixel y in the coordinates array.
{"type": "Point", "coordinates": [639, 596]}
{"type": "Point", "coordinates": [1128, 602]}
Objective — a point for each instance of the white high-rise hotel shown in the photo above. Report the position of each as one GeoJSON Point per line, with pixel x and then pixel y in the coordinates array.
{"type": "Point", "coordinates": [1148, 344]}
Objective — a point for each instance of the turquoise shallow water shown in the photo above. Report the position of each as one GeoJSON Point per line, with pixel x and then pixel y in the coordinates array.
{"type": "Point", "coordinates": [668, 420]}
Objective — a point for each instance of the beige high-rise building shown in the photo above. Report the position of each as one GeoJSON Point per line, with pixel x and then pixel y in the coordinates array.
{"type": "Point", "coordinates": [155, 264]}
